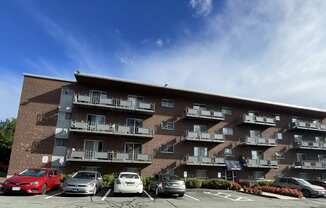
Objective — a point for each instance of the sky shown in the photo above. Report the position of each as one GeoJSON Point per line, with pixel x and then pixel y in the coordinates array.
{"type": "Point", "coordinates": [270, 50]}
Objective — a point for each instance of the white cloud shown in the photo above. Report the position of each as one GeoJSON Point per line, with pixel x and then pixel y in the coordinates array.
{"type": "Point", "coordinates": [159, 42]}
{"type": "Point", "coordinates": [273, 50]}
{"type": "Point", "coordinates": [201, 7]}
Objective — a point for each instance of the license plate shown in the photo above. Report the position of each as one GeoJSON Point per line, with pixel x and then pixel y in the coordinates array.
{"type": "Point", "coordinates": [75, 189]}
{"type": "Point", "coordinates": [15, 188]}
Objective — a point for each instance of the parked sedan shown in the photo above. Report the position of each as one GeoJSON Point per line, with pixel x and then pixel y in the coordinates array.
{"type": "Point", "coordinates": [128, 182]}
{"type": "Point", "coordinates": [307, 188]}
{"type": "Point", "coordinates": [169, 185]}
{"type": "Point", "coordinates": [33, 181]}
{"type": "Point", "coordinates": [83, 182]}
{"type": "Point", "coordinates": [318, 183]}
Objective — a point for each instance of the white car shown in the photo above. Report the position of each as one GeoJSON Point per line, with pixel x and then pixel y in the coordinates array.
{"type": "Point", "coordinates": [128, 182]}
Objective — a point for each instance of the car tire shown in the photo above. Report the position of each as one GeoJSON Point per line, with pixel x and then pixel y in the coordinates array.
{"type": "Point", "coordinates": [306, 193]}
{"type": "Point", "coordinates": [43, 190]}
{"type": "Point", "coordinates": [181, 195]}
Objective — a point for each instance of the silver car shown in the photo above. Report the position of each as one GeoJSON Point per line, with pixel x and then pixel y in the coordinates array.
{"type": "Point", "coordinates": [83, 182]}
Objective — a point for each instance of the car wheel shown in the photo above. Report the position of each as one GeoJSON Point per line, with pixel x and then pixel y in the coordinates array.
{"type": "Point", "coordinates": [306, 193]}
{"type": "Point", "coordinates": [44, 187]}
{"type": "Point", "coordinates": [181, 195]}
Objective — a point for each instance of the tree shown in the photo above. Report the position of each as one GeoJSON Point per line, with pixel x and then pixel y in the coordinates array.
{"type": "Point", "coordinates": [7, 131]}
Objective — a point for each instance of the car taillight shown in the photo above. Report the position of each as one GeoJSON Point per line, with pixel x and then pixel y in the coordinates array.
{"type": "Point", "coordinates": [118, 181]}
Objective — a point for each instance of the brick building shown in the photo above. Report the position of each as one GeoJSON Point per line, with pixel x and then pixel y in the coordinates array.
{"type": "Point", "coordinates": [115, 125]}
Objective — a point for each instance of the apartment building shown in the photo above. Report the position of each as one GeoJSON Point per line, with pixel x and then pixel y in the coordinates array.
{"type": "Point", "coordinates": [114, 125]}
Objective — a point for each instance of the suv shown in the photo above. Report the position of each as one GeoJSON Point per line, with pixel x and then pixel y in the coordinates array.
{"type": "Point", "coordinates": [304, 186]}
{"type": "Point", "coordinates": [167, 185]}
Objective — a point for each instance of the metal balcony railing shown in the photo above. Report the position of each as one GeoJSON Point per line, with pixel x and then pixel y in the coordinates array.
{"type": "Point", "coordinates": [117, 157]}
{"type": "Point", "coordinates": [260, 120]}
{"type": "Point", "coordinates": [261, 163]}
{"type": "Point", "coordinates": [306, 144]}
{"type": "Point", "coordinates": [307, 125]}
{"type": "Point", "coordinates": [116, 129]}
{"type": "Point", "coordinates": [310, 164]}
{"type": "Point", "coordinates": [204, 161]}
{"type": "Point", "coordinates": [203, 136]}
{"type": "Point", "coordinates": [259, 141]}
{"type": "Point", "coordinates": [205, 114]}
{"type": "Point", "coordinates": [115, 103]}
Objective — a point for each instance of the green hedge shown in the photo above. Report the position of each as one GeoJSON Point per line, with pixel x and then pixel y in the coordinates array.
{"type": "Point", "coordinates": [208, 183]}
{"type": "Point", "coordinates": [194, 183]}
{"type": "Point", "coordinates": [108, 180]}
{"type": "Point", "coordinates": [146, 180]}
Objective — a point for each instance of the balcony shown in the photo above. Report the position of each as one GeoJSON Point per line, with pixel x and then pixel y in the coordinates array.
{"type": "Point", "coordinates": [310, 165]}
{"type": "Point", "coordinates": [204, 161]}
{"type": "Point", "coordinates": [110, 157]}
{"type": "Point", "coordinates": [251, 118]}
{"type": "Point", "coordinates": [203, 137]}
{"type": "Point", "coordinates": [311, 145]}
{"type": "Point", "coordinates": [115, 104]}
{"type": "Point", "coordinates": [111, 129]}
{"type": "Point", "coordinates": [204, 114]}
{"type": "Point", "coordinates": [250, 163]}
{"type": "Point", "coordinates": [259, 141]}
{"type": "Point", "coordinates": [307, 125]}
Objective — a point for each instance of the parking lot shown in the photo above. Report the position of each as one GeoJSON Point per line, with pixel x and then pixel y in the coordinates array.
{"type": "Point", "coordinates": [193, 198]}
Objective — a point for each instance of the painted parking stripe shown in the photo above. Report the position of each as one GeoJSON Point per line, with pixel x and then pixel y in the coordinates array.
{"type": "Point", "coordinates": [149, 196]}
{"type": "Point", "coordinates": [191, 197]}
{"type": "Point", "coordinates": [228, 196]}
{"type": "Point", "coordinates": [106, 195]}
{"type": "Point", "coordinates": [49, 197]}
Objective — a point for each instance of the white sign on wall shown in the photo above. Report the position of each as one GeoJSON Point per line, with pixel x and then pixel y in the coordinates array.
{"type": "Point", "coordinates": [219, 174]}
{"type": "Point", "coordinates": [185, 174]}
{"type": "Point", "coordinates": [45, 159]}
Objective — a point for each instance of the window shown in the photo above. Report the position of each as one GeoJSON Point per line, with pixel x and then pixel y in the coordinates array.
{"type": "Point", "coordinates": [259, 175]}
{"type": "Point", "coordinates": [200, 151]}
{"type": "Point", "coordinates": [168, 125]}
{"type": "Point", "coordinates": [198, 106]}
{"type": "Point", "coordinates": [227, 151]}
{"type": "Point", "coordinates": [167, 103]}
{"type": "Point", "coordinates": [228, 131]}
{"type": "Point", "coordinates": [134, 122]}
{"type": "Point", "coordinates": [254, 133]}
{"type": "Point", "coordinates": [227, 110]}
{"type": "Point", "coordinates": [61, 142]}
{"type": "Point", "coordinates": [167, 148]}
{"type": "Point", "coordinates": [200, 128]}
{"type": "Point", "coordinates": [279, 136]}
{"type": "Point", "coordinates": [201, 174]}
{"type": "Point", "coordinates": [95, 119]}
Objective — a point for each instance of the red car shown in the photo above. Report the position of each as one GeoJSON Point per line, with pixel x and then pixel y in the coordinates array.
{"type": "Point", "coordinates": [33, 181]}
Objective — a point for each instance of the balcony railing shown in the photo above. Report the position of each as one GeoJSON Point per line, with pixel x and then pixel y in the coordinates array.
{"type": "Point", "coordinates": [259, 141]}
{"type": "Point", "coordinates": [205, 161]}
{"type": "Point", "coordinates": [307, 125]}
{"type": "Point", "coordinates": [204, 137]}
{"type": "Point", "coordinates": [305, 144]}
{"type": "Point", "coordinates": [115, 103]}
{"type": "Point", "coordinates": [113, 157]}
{"type": "Point", "coordinates": [114, 129]}
{"type": "Point", "coordinates": [259, 120]}
{"type": "Point", "coordinates": [250, 163]}
{"type": "Point", "coordinates": [310, 164]}
{"type": "Point", "coordinates": [204, 114]}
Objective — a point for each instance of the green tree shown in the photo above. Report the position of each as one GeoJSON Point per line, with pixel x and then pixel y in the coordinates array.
{"type": "Point", "coordinates": [7, 131]}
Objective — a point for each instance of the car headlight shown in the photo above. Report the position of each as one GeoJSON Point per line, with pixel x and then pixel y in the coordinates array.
{"type": "Point", "coordinates": [34, 183]}
{"type": "Point", "coordinates": [6, 182]}
{"type": "Point", "coordinates": [91, 185]}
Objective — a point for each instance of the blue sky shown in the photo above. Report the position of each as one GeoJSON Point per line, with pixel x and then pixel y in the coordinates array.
{"type": "Point", "coordinates": [242, 48]}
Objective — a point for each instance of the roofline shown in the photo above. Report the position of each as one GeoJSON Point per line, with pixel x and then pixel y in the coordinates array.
{"type": "Point", "coordinates": [47, 77]}
{"type": "Point", "coordinates": [203, 93]}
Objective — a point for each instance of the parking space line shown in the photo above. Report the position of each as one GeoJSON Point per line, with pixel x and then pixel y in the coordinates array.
{"type": "Point", "coordinates": [228, 196]}
{"type": "Point", "coordinates": [49, 197]}
{"type": "Point", "coordinates": [191, 197]}
{"type": "Point", "coordinates": [106, 194]}
{"type": "Point", "coordinates": [149, 196]}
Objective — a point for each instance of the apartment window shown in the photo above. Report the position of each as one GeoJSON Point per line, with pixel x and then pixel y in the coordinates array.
{"type": "Point", "coordinates": [279, 136]}
{"type": "Point", "coordinates": [61, 142]}
{"type": "Point", "coordinates": [227, 151]}
{"type": "Point", "coordinates": [227, 110]}
{"type": "Point", "coordinates": [168, 125]}
{"type": "Point", "coordinates": [200, 128]}
{"type": "Point", "coordinates": [256, 155]}
{"type": "Point", "coordinates": [227, 131]}
{"type": "Point", "coordinates": [95, 119]}
{"type": "Point", "coordinates": [134, 122]}
{"type": "Point", "coordinates": [198, 106]}
{"type": "Point", "coordinates": [167, 148]}
{"type": "Point", "coordinates": [200, 151]}
{"type": "Point", "coordinates": [258, 174]}
{"type": "Point", "coordinates": [254, 133]}
{"type": "Point", "coordinates": [201, 173]}
{"type": "Point", "coordinates": [167, 103]}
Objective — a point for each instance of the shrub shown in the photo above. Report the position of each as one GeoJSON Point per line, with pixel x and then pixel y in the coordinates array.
{"type": "Point", "coordinates": [265, 183]}
{"type": "Point", "coordinates": [65, 177]}
{"type": "Point", "coordinates": [283, 191]}
{"type": "Point", "coordinates": [235, 186]}
{"type": "Point", "coordinates": [194, 183]}
{"type": "Point", "coordinates": [216, 184]}
{"type": "Point", "coordinates": [108, 180]}
{"type": "Point", "coordinates": [146, 180]}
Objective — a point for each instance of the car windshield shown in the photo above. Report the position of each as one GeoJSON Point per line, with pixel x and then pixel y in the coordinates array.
{"type": "Point", "coordinates": [171, 178]}
{"type": "Point", "coordinates": [129, 176]}
{"type": "Point", "coordinates": [33, 172]}
{"type": "Point", "coordinates": [84, 175]}
{"type": "Point", "coordinates": [304, 182]}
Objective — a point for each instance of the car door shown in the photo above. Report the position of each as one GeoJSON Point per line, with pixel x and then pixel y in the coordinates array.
{"type": "Point", "coordinates": [293, 183]}
{"type": "Point", "coordinates": [56, 178]}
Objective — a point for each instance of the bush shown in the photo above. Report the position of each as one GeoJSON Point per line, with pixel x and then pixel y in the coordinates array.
{"type": "Point", "coordinates": [108, 180]}
{"type": "Point", "coordinates": [282, 191]}
{"type": "Point", "coordinates": [194, 183]}
{"type": "Point", "coordinates": [235, 186]}
{"type": "Point", "coordinates": [65, 177]}
{"type": "Point", "coordinates": [216, 184]}
{"type": "Point", "coordinates": [265, 183]}
{"type": "Point", "coordinates": [146, 180]}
